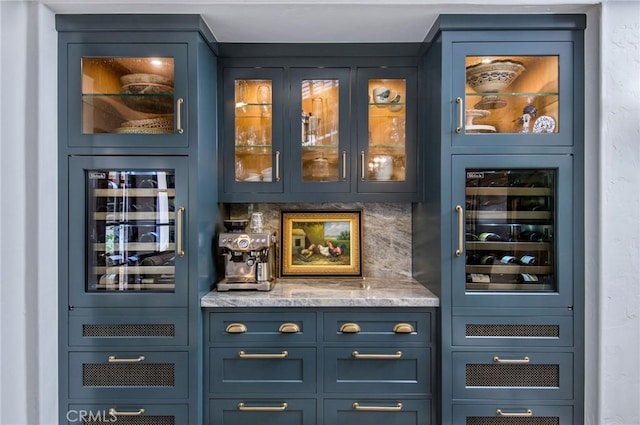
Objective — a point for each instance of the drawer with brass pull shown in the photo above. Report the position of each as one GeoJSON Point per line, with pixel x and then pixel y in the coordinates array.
{"type": "Point", "coordinates": [267, 410]}
{"type": "Point", "coordinates": [128, 413]}
{"type": "Point", "coordinates": [377, 411]}
{"type": "Point", "coordinates": [285, 327]}
{"type": "Point", "coordinates": [128, 374]}
{"type": "Point", "coordinates": [512, 375]}
{"type": "Point", "coordinates": [497, 413]}
{"type": "Point", "coordinates": [269, 369]}
{"type": "Point", "coordinates": [377, 327]}
{"type": "Point", "coordinates": [379, 369]}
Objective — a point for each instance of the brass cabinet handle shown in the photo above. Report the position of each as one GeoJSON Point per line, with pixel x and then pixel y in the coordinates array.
{"type": "Point", "coordinates": [395, 408]}
{"type": "Point", "coordinates": [244, 355]}
{"type": "Point", "coordinates": [524, 360]}
{"type": "Point", "coordinates": [350, 328]}
{"type": "Point", "coordinates": [236, 328]}
{"type": "Point", "coordinates": [344, 165]}
{"type": "Point", "coordinates": [277, 166]}
{"type": "Point", "coordinates": [460, 249]}
{"type": "Point", "coordinates": [403, 328]}
{"type": "Point", "coordinates": [528, 413]}
{"type": "Point", "coordinates": [289, 328]}
{"type": "Point", "coordinates": [357, 355]}
{"type": "Point", "coordinates": [179, 225]}
{"type": "Point", "coordinates": [362, 165]}
{"type": "Point", "coordinates": [114, 359]}
{"type": "Point", "coordinates": [460, 116]}
{"type": "Point", "coordinates": [114, 412]}
{"type": "Point", "coordinates": [179, 103]}
{"type": "Point", "coordinates": [281, 408]}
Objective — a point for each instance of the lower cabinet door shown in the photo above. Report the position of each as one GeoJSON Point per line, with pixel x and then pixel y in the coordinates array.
{"type": "Point", "coordinates": [262, 411]}
{"type": "Point", "coordinates": [377, 370]}
{"type": "Point", "coordinates": [378, 412]}
{"type": "Point", "coordinates": [127, 414]}
{"type": "Point", "coordinates": [128, 374]}
{"type": "Point", "coordinates": [512, 414]}
{"type": "Point", "coordinates": [261, 369]}
{"type": "Point", "coordinates": [513, 375]}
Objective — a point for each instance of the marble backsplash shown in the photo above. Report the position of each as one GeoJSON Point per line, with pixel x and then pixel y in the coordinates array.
{"type": "Point", "coordinates": [386, 231]}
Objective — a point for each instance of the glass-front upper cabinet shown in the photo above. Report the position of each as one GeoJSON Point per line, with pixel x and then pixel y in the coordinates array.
{"type": "Point", "coordinates": [387, 129]}
{"type": "Point", "coordinates": [319, 136]}
{"type": "Point", "coordinates": [252, 145]}
{"type": "Point", "coordinates": [504, 90]}
{"type": "Point", "coordinates": [127, 95]}
{"type": "Point", "coordinates": [127, 231]}
{"type": "Point", "coordinates": [513, 229]}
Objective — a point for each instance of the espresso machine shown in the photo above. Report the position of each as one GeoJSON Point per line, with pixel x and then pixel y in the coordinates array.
{"type": "Point", "coordinates": [248, 258]}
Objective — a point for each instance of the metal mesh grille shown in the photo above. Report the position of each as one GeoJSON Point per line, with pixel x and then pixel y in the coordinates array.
{"type": "Point", "coordinates": [539, 331]}
{"type": "Point", "coordinates": [490, 375]}
{"type": "Point", "coordinates": [125, 330]}
{"type": "Point", "coordinates": [543, 420]}
{"type": "Point", "coordinates": [136, 420]}
{"type": "Point", "coordinates": [128, 375]}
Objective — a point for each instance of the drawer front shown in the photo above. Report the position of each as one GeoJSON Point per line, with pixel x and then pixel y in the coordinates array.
{"type": "Point", "coordinates": [378, 412]}
{"type": "Point", "coordinates": [378, 327]}
{"type": "Point", "coordinates": [262, 369]}
{"type": "Point", "coordinates": [270, 328]}
{"type": "Point", "coordinates": [128, 374]}
{"type": "Point", "coordinates": [146, 327]}
{"type": "Point", "coordinates": [127, 414]}
{"type": "Point", "coordinates": [377, 370]}
{"type": "Point", "coordinates": [262, 411]}
{"type": "Point", "coordinates": [525, 331]}
{"type": "Point", "coordinates": [513, 375]}
{"type": "Point", "coordinates": [512, 414]}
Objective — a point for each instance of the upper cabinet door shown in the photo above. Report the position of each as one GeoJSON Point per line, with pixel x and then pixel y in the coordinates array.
{"type": "Point", "coordinates": [513, 94]}
{"type": "Point", "coordinates": [127, 95]}
{"type": "Point", "coordinates": [252, 142]}
{"type": "Point", "coordinates": [387, 138]}
{"type": "Point", "coordinates": [320, 149]}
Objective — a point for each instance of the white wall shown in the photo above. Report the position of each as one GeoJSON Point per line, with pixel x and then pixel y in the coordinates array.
{"type": "Point", "coordinates": [28, 324]}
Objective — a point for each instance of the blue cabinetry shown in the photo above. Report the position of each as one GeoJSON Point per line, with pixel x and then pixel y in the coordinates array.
{"type": "Point", "coordinates": [505, 188]}
{"type": "Point", "coordinates": [312, 365]}
{"type": "Point", "coordinates": [136, 215]}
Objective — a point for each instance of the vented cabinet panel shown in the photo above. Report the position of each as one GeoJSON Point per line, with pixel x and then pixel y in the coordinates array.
{"type": "Point", "coordinates": [137, 374]}
{"type": "Point", "coordinates": [127, 414]}
{"type": "Point", "coordinates": [513, 331]}
{"type": "Point", "coordinates": [497, 413]}
{"type": "Point", "coordinates": [146, 327]}
{"type": "Point", "coordinates": [513, 375]}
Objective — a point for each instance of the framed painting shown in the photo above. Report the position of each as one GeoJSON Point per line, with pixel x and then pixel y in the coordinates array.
{"type": "Point", "coordinates": [321, 243]}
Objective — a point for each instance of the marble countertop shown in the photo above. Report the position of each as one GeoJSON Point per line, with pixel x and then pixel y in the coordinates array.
{"type": "Point", "coordinates": [329, 292]}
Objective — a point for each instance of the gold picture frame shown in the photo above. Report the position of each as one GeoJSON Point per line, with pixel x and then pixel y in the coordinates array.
{"type": "Point", "coordinates": [321, 243]}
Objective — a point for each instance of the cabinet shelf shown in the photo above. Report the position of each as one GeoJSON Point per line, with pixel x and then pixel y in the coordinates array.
{"type": "Point", "coordinates": [122, 217]}
{"type": "Point", "coordinates": [137, 192]}
{"type": "Point", "coordinates": [537, 287]}
{"type": "Point", "coordinates": [135, 246]}
{"type": "Point", "coordinates": [133, 270]}
{"type": "Point", "coordinates": [508, 191]}
{"type": "Point", "coordinates": [508, 246]}
{"type": "Point", "coordinates": [509, 215]}
{"type": "Point", "coordinates": [508, 269]}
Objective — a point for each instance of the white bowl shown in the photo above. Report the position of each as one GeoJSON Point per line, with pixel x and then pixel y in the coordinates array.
{"type": "Point", "coordinates": [493, 76]}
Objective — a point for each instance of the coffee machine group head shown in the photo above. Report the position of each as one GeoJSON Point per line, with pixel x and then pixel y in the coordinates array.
{"type": "Point", "coordinates": [248, 258]}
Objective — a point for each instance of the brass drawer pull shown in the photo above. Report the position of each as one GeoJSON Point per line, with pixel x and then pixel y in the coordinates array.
{"type": "Point", "coordinates": [289, 328]}
{"type": "Point", "coordinates": [350, 328]}
{"type": "Point", "coordinates": [244, 355]}
{"type": "Point", "coordinates": [281, 408]}
{"type": "Point", "coordinates": [114, 412]}
{"type": "Point", "coordinates": [524, 360]}
{"type": "Point", "coordinates": [395, 408]}
{"type": "Point", "coordinates": [114, 359]}
{"type": "Point", "coordinates": [236, 328]}
{"type": "Point", "coordinates": [403, 328]}
{"type": "Point", "coordinates": [526, 414]}
{"type": "Point", "coordinates": [357, 355]}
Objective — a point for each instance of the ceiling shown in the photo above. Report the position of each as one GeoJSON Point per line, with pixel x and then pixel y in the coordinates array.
{"type": "Point", "coordinates": [308, 21]}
